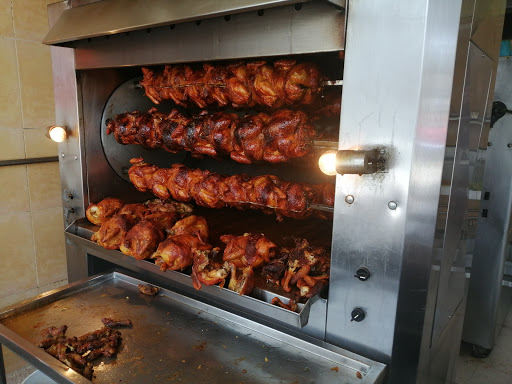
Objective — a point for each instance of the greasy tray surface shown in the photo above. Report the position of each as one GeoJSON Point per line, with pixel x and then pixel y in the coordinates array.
{"type": "Point", "coordinates": [177, 339]}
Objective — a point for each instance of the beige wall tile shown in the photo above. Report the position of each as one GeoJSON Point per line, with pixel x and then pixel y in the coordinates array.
{"type": "Point", "coordinates": [35, 67]}
{"type": "Point", "coordinates": [17, 297]}
{"type": "Point", "coordinates": [44, 186]}
{"type": "Point", "coordinates": [10, 110]}
{"type": "Point", "coordinates": [11, 144]}
{"type": "Point", "coordinates": [49, 244]}
{"type": "Point", "coordinates": [37, 144]}
{"type": "Point", "coordinates": [30, 19]}
{"type": "Point", "coordinates": [6, 26]}
{"type": "Point", "coordinates": [14, 196]}
{"type": "Point", "coordinates": [17, 258]}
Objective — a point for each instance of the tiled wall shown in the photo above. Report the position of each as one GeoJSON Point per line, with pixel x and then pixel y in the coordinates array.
{"type": "Point", "coordinates": [32, 253]}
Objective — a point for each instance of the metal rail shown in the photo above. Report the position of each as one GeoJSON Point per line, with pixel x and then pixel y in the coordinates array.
{"type": "Point", "coordinates": [33, 160]}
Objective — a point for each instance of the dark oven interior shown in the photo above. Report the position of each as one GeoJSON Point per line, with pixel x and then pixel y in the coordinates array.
{"type": "Point", "coordinates": [106, 93]}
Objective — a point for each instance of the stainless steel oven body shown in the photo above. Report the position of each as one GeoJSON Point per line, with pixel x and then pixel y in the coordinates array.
{"type": "Point", "coordinates": [417, 78]}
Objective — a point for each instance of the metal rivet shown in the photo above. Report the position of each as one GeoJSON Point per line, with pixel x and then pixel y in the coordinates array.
{"type": "Point", "coordinates": [382, 151]}
{"type": "Point", "coordinates": [489, 143]}
{"type": "Point", "coordinates": [349, 199]}
{"type": "Point", "coordinates": [62, 154]}
{"type": "Point", "coordinates": [392, 205]}
{"type": "Point", "coordinates": [509, 145]}
{"type": "Point", "coordinates": [76, 157]}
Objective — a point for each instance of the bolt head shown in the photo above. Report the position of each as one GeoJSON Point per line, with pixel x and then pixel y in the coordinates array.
{"type": "Point", "coordinates": [349, 199]}
{"type": "Point", "coordinates": [392, 205]}
{"type": "Point", "coordinates": [489, 143]}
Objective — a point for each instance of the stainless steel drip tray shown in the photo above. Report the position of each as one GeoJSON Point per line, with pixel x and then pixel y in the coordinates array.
{"type": "Point", "coordinates": [174, 338]}
{"type": "Point", "coordinates": [258, 304]}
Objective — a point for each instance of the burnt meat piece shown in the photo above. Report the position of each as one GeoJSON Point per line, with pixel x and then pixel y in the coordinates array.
{"type": "Point", "coordinates": [111, 323]}
{"type": "Point", "coordinates": [148, 290]}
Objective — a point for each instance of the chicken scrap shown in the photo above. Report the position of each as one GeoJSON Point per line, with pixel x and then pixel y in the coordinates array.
{"type": "Point", "coordinates": [77, 353]}
{"type": "Point", "coordinates": [148, 290]}
{"type": "Point", "coordinates": [308, 268]}
{"type": "Point", "coordinates": [267, 193]}
{"type": "Point", "coordinates": [291, 306]}
{"type": "Point", "coordinates": [111, 323]}
{"type": "Point", "coordinates": [274, 138]}
{"type": "Point", "coordinates": [241, 84]}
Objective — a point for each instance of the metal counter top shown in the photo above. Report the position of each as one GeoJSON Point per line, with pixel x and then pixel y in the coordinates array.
{"type": "Point", "coordinates": [174, 339]}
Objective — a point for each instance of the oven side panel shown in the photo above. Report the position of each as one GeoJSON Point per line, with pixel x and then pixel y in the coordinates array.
{"type": "Point", "coordinates": [71, 151]}
{"type": "Point", "coordinates": [396, 95]}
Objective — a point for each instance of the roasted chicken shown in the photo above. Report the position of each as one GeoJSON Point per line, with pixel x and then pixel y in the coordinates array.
{"type": "Point", "coordinates": [241, 84]}
{"type": "Point", "coordinates": [112, 232]}
{"type": "Point", "coordinates": [138, 228]}
{"type": "Point", "coordinates": [177, 252]}
{"type": "Point", "coordinates": [273, 138]}
{"type": "Point", "coordinates": [208, 189]}
{"type": "Point", "coordinates": [104, 210]}
{"type": "Point", "coordinates": [207, 269]}
{"type": "Point", "coordinates": [243, 254]}
{"type": "Point", "coordinates": [143, 239]}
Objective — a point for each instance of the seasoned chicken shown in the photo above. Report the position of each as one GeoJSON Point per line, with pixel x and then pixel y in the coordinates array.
{"type": "Point", "coordinates": [249, 250]}
{"type": "Point", "coordinates": [206, 269]}
{"type": "Point", "coordinates": [243, 254]}
{"type": "Point", "coordinates": [240, 84]}
{"type": "Point", "coordinates": [143, 239]}
{"type": "Point", "coordinates": [191, 225]}
{"type": "Point", "coordinates": [267, 193]}
{"type": "Point", "coordinates": [177, 252]}
{"type": "Point", "coordinates": [104, 210]}
{"type": "Point", "coordinates": [112, 232]}
{"type": "Point", "coordinates": [274, 138]}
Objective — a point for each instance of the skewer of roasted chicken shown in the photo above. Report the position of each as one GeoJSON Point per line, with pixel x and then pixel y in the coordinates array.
{"type": "Point", "coordinates": [242, 85]}
{"type": "Point", "coordinates": [274, 138]}
{"type": "Point", "coordinates": [267, 193]}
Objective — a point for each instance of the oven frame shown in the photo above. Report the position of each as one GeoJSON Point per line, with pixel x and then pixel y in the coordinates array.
{"type": "Point", "coordinates": [410, 83]}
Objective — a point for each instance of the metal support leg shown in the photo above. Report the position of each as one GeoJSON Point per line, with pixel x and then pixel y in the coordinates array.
{"type": "Point", "coordinates": [3, 378]}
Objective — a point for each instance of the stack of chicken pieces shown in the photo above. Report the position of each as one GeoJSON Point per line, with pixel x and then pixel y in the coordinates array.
{"type": "Point", "coordinates": [169, 234]}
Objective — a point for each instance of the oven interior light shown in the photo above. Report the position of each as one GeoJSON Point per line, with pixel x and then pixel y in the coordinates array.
{"type": "Point", "coordinates": [327, 163]}
{"type": "Point", "coordinates": [56, 133]}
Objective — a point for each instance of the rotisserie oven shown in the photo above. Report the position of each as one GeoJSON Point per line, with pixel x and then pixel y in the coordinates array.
{"type": "Point", "coordinates": [191, 168]}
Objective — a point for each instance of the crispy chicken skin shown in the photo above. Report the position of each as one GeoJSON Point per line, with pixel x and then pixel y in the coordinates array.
{"type": "Point", "coordinates": [177, 252]}
{"type": "Point", "coordinates": [267, 193]}
{"type": "Point", "coordinates": [104, 210]}
{"type": "Point", "coordinates": [191, 225]}
{"type": "Point", "coordinates": [143, 239]}
{"type": "Point", "coordinates": [274, 138]}
{"type": "Point", "coordinates": [240, 85]}
{"type": "Point", "coordinates": [112, 232]}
